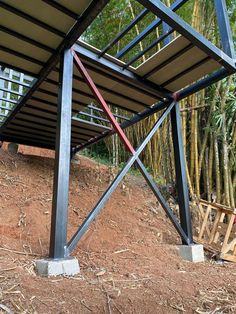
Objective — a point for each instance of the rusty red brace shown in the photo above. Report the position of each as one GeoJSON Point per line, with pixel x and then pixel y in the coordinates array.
{"type": "Point", "coordinates": [102, 102]}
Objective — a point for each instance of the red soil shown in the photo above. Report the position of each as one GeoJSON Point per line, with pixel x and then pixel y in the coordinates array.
{"type": "Point", "coordinates": [128, 258]}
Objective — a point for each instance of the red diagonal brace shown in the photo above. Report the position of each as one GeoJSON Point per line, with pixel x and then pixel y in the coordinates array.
{"type": "Point", "coordinates": [102, 102]}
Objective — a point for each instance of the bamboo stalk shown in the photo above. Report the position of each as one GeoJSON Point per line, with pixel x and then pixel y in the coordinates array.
{"type": "Point", "coordinates": [194, 108]}
{"type": "Point", "coordinates": [225, 144]}
{"type": "Point", "coordinates": [217, 170]}
{"type": "Point", "coordinates": [210, 167]}
{"type": "Point", "coordinates": [136, 29]}
{"type": "Point", "coordinates": [207, 131]}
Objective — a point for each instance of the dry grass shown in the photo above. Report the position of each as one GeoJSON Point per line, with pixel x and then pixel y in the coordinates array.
{"type": "Point", "coordinates": [220, 301]}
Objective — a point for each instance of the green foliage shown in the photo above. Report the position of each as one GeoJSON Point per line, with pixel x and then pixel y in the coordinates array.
{"type": "Point", "coordinates": [210, 119]}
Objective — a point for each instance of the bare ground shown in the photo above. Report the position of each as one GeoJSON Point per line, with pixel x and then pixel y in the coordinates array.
{"type": "Point", "coordinates": [128, 258]}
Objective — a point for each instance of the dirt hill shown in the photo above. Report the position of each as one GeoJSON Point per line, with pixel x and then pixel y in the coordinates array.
{"type": "Point", "coordinates": [128, 258]}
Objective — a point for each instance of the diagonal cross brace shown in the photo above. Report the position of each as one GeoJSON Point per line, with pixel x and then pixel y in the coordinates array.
{"type": "Point", "coordinates": [134, 158]}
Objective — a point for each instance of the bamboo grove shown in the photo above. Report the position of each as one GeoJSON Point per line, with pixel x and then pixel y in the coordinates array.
{"type": "Point", "coordinates": [208, 117]}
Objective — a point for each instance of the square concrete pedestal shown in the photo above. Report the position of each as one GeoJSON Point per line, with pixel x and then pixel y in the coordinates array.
{"type": "Point", "coordinates": [55, 267]}
{"type": "Point", "coordinates": [192, 253]}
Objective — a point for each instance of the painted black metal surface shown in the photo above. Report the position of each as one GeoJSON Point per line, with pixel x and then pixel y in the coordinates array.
{"type": "Point", "coordinates": [58, 237]}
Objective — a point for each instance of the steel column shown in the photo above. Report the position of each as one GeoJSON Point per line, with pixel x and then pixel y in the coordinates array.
{"type": "Point", "coordinates": [180, 171]}
{"type": "Point", "coordinates": [224, 28]}
{"type": "Point", "coordinates": [58, 238]}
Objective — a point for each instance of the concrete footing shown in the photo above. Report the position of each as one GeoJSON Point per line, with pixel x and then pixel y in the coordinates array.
{"type": "Point", "coordinates": [192, 253]}
{"type": "Point", "coordinates": [55, 267]}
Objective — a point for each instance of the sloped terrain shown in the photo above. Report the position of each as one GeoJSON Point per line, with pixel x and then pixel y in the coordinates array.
{"type": "Point", "coordinates": [128, 258]}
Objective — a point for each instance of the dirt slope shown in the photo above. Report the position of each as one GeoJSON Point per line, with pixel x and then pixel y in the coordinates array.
{"type": "Point", "coordinates": [128, 258]}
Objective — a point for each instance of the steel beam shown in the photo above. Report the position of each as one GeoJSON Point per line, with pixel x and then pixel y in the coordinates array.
{"type": "Point", "coordinates": [224, 28]}
{"type": "Point", "coordinates": [157, 22]}
{"type": "Point", "coordinates": [23, 141]}
{"type": "Point", "coordinates": [106, 90]}
{"type": "Point", "coordinates": [203, 83]}
{"type": "Point", "coordinates": [180, 171]}
{"type": "Point", "coordinates": [181, 74]}
{"type": "Point", "coordinates": [58, 237]}
{"type": "Point", "coordinates": [80, 92]}
{"type": "Point", "coordinates": [21, 55]}
{"type": "Point", "coordinates": [138, 18]}
{"type": "Point", "coordinates": [172, 19]}
{"type": "Point", "coordinates": [145, 50]}
{"type": "Point", "coordinates": [131, 78]}
{"type": "Point", "coordinates": [62, 9]}
{"type": "Point", "coordinates": [172, 58]}
{"type": "Point", "coordinates": [41, 132]}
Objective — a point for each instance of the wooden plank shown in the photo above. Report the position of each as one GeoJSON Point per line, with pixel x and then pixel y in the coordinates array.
{"type": "Point", "coordinates": [193, 75]}
{"type": "Point", "coordinates": [218, 206]}
{"type": "Point", "coordinates": [28, 29]}
{"type": "Point", "coordinates": [227, 257]}
{"type": "Point", "coordinates": [229, 247]}
{"type": "Point", "coordinates": [162, 55]}
{"type": "Point", "coordinates": [215, 225]}
{"type": "Point", "coordinates": [228, 232]}
{"type": "Point", "coordinates": [217, 234]}
{"type": "Point", "coordinates": [18, 62]}
{"type": "Point", "coordinates": [204, 224]}
{"type": "Point", "coordinates": [45, 13]}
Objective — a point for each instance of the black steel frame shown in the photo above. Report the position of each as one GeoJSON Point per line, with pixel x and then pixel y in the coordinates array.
{"type": "Point", "coordinates": [59, 246]}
